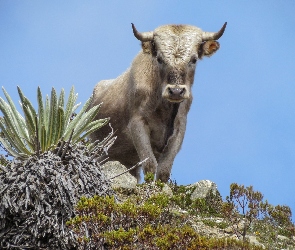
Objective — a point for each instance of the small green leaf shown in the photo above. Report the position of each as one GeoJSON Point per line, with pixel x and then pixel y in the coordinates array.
{"type": "Point", "coordinates": [29, 121]}
{"type": "Point", "coordinates": [11, 151]}
{"type": "Point", "coordinates": [52, 123]}
{"type": "Point", "coordinates": [19, 120]}
{"type": "Point", "coordinates": [47, 111]}
{"type": "Point", "coordinates": [30, 106]}
{"type": "Point", "coordinates": [70, 104]}
{"type": "Point", "coordinates": [60, 124]}
{"type": "Point", "coordinates": [74, 122]}
{"type": "Point", "coordinates": [7, 135]}
{"type": "Point", "coordinates": [86, 118]}
{"type": "Point", "coordinates": [93, 126]}
{"type": "Point", "coordinates": [43, 137]}
{"type": "Point", "coordinates": [21, 95]}
{"type": "Point", "coordinates": [61, 99]}
{"type": "Point", "coordinates": [9, 125]}
{"type": "Point", "coordinates": [40, 108]}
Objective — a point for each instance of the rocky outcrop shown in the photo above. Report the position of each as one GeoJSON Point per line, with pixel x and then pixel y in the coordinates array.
{"type": "Point", "coordinates": [111, 169]}
{"type": "Point", "coordinates": [114, 169]}
{"type": "Point", "coordinates": [203, 189]}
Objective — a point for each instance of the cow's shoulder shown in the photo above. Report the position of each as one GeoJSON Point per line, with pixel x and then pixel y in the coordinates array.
{"type": "Point", "coordinates": [102, 86]}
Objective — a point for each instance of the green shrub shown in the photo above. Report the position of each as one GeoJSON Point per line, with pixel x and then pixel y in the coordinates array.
{"type": "Point", "coordinates": [246, 212]}
{"type": "Point", "coordinates": [275, 220]}
{"type": "Point", "coordinates": [242, 208]}
{"type": "Point", "coordinates": [210, 205]}
{"type": "Point", "coordinates": [103, 222]}
{"type": "Point", "coordinates": [149, 177]}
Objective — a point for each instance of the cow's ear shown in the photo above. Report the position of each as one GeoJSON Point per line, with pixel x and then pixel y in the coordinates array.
{"type": "Point", "coordinates": [148, 47]}
{"type": "Point", "coordinates": [208, 48]}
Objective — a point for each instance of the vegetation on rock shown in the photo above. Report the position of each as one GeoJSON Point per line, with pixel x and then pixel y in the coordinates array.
{"type": "Point", "coordinates": [149, 219]}
{"type": "Point", "coordinates": [104, 224]}
{"type": "Point", "coordinates": [53, 167]}
{"type": "Point", "coordinates": [246, 212]}
{"type": "Point", "coordinates": [209, 205]}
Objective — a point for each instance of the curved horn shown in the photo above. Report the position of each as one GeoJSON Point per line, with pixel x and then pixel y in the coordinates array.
{"type": "Point", "coordinates": [213, 35]}
{"type": "Point", "coordinates": [145, 36]}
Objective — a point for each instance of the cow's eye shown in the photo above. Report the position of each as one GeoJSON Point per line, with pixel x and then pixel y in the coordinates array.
{"type": "Point", "coordinates": [193, 60]}
{"type": "Point", "coordinates": [159, 59]}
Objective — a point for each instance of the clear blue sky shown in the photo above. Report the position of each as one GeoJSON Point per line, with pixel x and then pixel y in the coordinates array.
{"type": "Point", "coordinates": [241, 127]}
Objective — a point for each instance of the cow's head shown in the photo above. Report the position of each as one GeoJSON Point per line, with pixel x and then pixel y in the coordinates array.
{"type": "Point", "coordinates": [176, 50]}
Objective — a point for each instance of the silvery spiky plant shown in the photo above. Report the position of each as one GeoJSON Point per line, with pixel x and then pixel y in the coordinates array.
{"type": "Point", "coordinates": [39, 132]}
{"type": "Point", "coordinates": [52, 167]}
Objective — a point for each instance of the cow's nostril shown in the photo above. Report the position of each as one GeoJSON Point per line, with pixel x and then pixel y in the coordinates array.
{"type": "Point", "coordinates": [176, 91]}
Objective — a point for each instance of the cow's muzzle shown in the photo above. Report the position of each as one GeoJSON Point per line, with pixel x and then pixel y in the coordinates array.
{"type": "Point", "coordinates": [175, 93]}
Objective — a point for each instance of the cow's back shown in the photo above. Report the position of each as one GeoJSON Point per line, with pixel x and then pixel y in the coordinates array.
{"type": "Point", "coordinates": [113, 96]}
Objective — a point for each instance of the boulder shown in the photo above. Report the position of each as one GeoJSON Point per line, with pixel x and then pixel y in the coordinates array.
{"type": "Point", "coordinates": [253, 240]}
{"type": "Point", "coordinates": [203, 188]}
{"type": "Point", "coordinates": [114, 168]}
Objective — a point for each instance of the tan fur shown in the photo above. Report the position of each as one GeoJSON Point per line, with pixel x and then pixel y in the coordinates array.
{"type": "Point", "coordinates": [148, 104]}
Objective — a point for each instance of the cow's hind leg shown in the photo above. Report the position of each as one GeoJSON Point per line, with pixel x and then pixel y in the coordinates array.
{"type": "Point", "coordinates": [136, 173]}
{"type": "Point", "coordinates": [129, 161]}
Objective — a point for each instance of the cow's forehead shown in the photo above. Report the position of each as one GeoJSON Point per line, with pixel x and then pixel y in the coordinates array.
{"type": "Point", "coordinates": [177, 42]}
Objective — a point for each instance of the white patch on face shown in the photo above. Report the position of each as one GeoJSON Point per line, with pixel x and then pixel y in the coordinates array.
{"type": "Point", "coordinates": [177, 49]}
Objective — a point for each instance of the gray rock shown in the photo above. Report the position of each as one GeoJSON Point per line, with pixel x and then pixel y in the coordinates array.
{"type": "Point", "coordinates": [167, 190]}
{"type": "Point", "coordinates": [114, 168]}
{"type": "Point", "coordinates": [229, 230]}
{"type": "Point", "coordinates": [203, 188]}
{"type": "Point", "coordinates": [282, 238]}
{"type": "Point", "coordinates": [253, 240]}
{"type": "Point", "coordinates": [235, 228]}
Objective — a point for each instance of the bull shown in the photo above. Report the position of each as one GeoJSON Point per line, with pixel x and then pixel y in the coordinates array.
{"type": "Point", "coordinates": [148, 104]}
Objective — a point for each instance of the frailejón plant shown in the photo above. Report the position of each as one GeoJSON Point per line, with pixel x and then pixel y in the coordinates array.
{"type": "Point", "coordinates": [41, 130]}
{"type": "Point", "coordinates": [52, 166]}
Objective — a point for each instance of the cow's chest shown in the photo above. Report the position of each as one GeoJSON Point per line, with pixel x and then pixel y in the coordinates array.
{"type": "Point", "coordinates": [161, 125]}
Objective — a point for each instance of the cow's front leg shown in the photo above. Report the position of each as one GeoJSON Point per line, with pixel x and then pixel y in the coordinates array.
{"type": "Point", "coordinates": [173, 146]}
{"type": "Point", "coordinates": [140, 132]}
{"type": "Point", "coordinates": [167, 158]}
